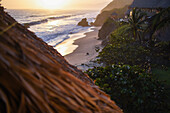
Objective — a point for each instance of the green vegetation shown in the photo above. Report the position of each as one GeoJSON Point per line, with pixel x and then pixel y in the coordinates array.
{"type": "Point", "coordinates": [136, 23]}
{"type": "Point", "coordinates": [134, 90]}
{"type": "Point", "coordinates": [135, 84]}
{"type": "Point", "coordinates": [158, 22]}
{"type": "Point", "coordinates": [124, 49]}
{"type": "Point", "coordinates": [163, 75]}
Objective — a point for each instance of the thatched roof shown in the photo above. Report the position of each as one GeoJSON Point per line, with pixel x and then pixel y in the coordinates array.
{"type": "Point", "coordinates": [151, 4]}
{"type": "Point", "coordinates": [35, 78]}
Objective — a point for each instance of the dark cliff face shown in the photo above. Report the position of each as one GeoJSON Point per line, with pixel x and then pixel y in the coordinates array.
{"type": "Point", "coordinates": [116, 6]}
{"type": "Point", "coordinates": [35, 78]}
{"type": "Point", "coordinates": [110, 24]}
{"type": "Point", "coordinates": [108, 27]}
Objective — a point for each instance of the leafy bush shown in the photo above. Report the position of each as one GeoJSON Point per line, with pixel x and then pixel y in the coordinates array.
{"type": "Point", "coordinates": [160, 53]}
{"type": "Point", "coordinates": [134, 90]}
{"type": "Point", "coordinates": [126, 54]}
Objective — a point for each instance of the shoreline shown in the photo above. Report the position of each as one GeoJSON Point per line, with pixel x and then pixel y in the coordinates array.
{"type": "Point", "coordinates": [85, 53]}
{"type": "Point", "coordinates": [68, 46]}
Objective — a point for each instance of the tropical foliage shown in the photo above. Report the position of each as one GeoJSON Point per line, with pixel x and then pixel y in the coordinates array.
{"type": "Point", "coordinates": [122, 48]}
{"type": "Point", "coordinates": [142, 26]}
{"type": "Point", "coordinates": [134, 90]}
{"type": "Point", "coordinates": [132, 83]}
{"type": "Point", "coordinates": [136, 22]}
{"type": "Point", "coordinates": [158, 21]}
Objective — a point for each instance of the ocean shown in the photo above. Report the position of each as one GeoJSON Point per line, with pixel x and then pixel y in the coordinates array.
{"type": "Point", "coordinates": [53, 26]}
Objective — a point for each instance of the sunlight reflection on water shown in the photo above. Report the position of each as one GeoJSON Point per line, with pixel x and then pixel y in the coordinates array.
{"type": "Point", "coordinates": [68, 46]}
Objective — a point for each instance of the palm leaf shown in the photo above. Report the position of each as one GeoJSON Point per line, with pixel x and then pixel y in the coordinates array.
{"type": "Point", "coordinates": [159, 21]}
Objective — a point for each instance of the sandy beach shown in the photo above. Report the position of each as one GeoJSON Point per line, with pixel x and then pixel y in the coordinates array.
{"type": "Point", "coordinates": [84, 48]}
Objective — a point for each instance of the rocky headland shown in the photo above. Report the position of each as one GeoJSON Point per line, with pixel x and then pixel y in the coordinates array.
{"type": "Point", "coordinates": [108, 27]}
{"type": "Point", "coordinates": [116, 6]}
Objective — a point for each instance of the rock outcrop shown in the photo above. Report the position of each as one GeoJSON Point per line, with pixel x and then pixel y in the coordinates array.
{"type": "Point", "coordinates": [35, 78]}
{"type": "Point", "coordinates": [116, 6]}
{"type": "Point", "coordinates": [83, 23]}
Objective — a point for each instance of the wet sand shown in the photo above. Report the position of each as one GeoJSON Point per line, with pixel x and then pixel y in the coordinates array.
{"type": "Point", "coordinates": [85, 51]}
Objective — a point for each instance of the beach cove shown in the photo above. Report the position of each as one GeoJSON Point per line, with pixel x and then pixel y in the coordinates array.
{"type": "Point", "coordinates": [80, 49]}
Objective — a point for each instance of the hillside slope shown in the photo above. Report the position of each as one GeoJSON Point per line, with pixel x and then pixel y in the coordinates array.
{"type": "Point", "coordinates": [116, 6]}
{"type": "Point", "coordinates": [35, 78]}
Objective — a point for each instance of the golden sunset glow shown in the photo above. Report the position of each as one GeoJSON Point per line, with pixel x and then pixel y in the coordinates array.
{"type": "Point", "coordinates": [53, 4]}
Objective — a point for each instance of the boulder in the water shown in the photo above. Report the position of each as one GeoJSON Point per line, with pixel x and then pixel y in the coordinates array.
{"type": "Point", "coordinates": [83, 23]}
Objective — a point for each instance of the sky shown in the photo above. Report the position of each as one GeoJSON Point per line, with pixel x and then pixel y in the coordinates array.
{"type": "Point", "coordinates": [55, 4]}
